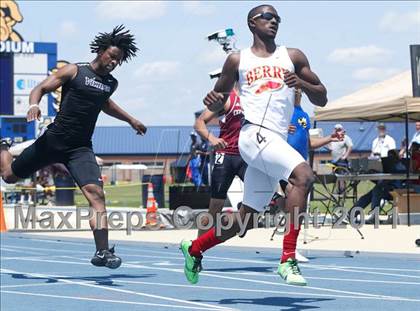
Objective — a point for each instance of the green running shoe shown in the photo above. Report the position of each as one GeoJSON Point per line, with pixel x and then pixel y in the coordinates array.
{"type": "Point", "coordinates": [290, 272]}
{"type": "Point", "coordinates": [192, 264]}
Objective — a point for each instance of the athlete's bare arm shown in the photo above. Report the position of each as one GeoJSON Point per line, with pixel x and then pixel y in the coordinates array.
{"type": "Point", "coordinates": [112, 109]}
{"type": "Point", "coordinates": [200, 127]}
{"type": "Point", "coordinates": [215, 100]}
{"type": "Point", "coordinates": [50, 84]}
{"type": "Point", "coordinates": [305, 78]}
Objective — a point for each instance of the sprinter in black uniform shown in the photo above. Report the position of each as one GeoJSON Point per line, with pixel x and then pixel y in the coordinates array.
{"type": "Point", "coordinates": [86, 92]}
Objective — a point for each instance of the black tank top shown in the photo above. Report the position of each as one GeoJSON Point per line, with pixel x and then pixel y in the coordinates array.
{"type": "Point", "coordinates": [82, 100]}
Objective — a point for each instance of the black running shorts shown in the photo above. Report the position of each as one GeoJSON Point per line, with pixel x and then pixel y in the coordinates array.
{"type": "Point", "coordinates": [52, 148]}
{"type": "Point", "coordinates": [226, 167]}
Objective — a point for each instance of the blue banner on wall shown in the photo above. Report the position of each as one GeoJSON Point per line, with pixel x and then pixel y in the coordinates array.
{"type": "Point", "coordinates": [23, 66]}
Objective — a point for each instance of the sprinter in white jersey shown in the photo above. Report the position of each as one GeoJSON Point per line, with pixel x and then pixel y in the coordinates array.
{"type": "Point", "coordinates": [268, 75]}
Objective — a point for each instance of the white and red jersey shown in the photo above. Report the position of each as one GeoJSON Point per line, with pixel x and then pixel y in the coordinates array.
{"type": "Point", "coordinates": [265, 99]}
{"type": "Point", "coordinates": [230, 124]}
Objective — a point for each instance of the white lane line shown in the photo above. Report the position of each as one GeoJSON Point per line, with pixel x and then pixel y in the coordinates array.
{"type": "Point", "coordinates": [50, 261]}
{"type": "Point", "coordinates": [45, 249]}
{"type": "Point", "coordinates": [375, 273]}
{"type": "Point", "coordinates": [107, 300]}
{"type": "Point", "coordinates": [8, 249]}
{"type": "Point", "coordinates": [22, 250]}
{"type": "Point", "coordinates": [168, 255]}
{"type": "Point", "coordinates": [134, 254]}
{"type": "Point", "coordinates": [234, 260]}
{"type": "Point", "coordinates": [314, 278]}
{"type": "Point", "coordinates": [337, 268]}
{"type": "Point", "coordinates": [218, 258]}
{"type": "Point", "coordinates": [120, 290]}
{"type": "Point", "coordinates": [32, 285]}
{"type": "Point", "coordinates": [233, 278]}
{"type": "Point", "coordinates": [218, 288]}
{"type": "Point", "coordinates": [280, 284]}
{"type": "Point", "coordinates": [55, 250]}
{"type": "Point", "coordinates": [151, 262]}
{"type": "Point", "coordinates": [358, 267]}
{"type": "Point", "coordinates": [224, 259]}
{"type": "Point", "coordinates": [384, 297]}
{"type": "Point", "coordinates": [124, 247]}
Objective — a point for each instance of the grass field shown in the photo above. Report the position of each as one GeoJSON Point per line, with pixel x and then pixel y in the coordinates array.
{"type": "Point", "coordinates": [129, 195]}
{"type": "Point", "coordinates": [121, 196]}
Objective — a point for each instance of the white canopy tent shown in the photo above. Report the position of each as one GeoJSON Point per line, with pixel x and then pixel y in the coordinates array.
{"type": "Point", "coordinates": [389, 100]}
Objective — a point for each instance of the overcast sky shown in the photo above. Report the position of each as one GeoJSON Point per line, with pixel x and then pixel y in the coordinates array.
{"type": "Point", "coordinates": [349, 45]}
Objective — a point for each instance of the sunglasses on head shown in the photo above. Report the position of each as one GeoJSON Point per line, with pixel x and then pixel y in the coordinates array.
{"type": "Point", "coordinates": [268, 16]}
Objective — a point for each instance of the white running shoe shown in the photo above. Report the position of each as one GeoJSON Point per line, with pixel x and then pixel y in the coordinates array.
{"type": "Point", "coordinates": [300, 258]}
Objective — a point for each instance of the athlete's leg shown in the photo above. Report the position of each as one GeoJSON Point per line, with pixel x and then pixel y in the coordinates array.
{"type": "Point", "coordinates": [82, 165]}
{"type": "Point", "coordinates": [231, 225]}
{"type": "Point", "coordinates": [98, 222]}
{"type": "Point", "coordinates": [299, 257]}
{"type": "Point", "coordinates": [271, 154]}
{"type": "Point", "coordinates": [258, 190]}
{"type": "Point", "coordinates": [288, 165]}
{"type": "Point", "coordinates": [6, 160]}
{"type": "Point", "coordinates": [224, 172]}
{"type": "Point", "coordinates": [266, 167]}
{"type": "Point", "coordinates": [41, 153]}
{"type": "Point", "coordinates": [215, 207]}
{"type": "Point", "coordinates": [260, 149]}
{"type": "Point", "coordinates": [301, 181]}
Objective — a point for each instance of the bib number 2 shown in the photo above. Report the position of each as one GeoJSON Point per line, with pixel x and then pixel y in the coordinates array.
{"type": "Point", "coordinates": [220, 157]}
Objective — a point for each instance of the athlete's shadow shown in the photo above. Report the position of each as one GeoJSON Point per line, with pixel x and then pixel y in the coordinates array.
{"type": "Point", "coordinates": [275, 260]}
{"type": "Point", "coordinates": [269, 269]}
{"type": "Point", "coordinates": [285, 303]}
{"type": "Point", "coordinates": [106, 280]}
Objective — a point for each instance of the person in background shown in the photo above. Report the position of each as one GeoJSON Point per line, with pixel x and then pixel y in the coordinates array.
{"type": "Point", "coordinates": [204, 161]}
{"type": "Point", "coordinates": [298, 132]}
{"type": "Point", "coordinates": [382, 189]}
{"type": "Point", "coordinates": [415, 164]}
{"type": "Point", "coordinates": [382, 144]}
{"type": "Point", "coordinates": [416, 136]}
{"type": "Point", "coordinates": [228, 162]}
{"type": "Point", "coordinates": [403, 153]}
{"type": "Point", "coordinates": [195, 161]}
{"type": "Point", "coordinates": [340, 150]}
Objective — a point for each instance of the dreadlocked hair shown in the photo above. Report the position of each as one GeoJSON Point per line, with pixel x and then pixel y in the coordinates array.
{"type": "Point", "coordinates": [119, 38]}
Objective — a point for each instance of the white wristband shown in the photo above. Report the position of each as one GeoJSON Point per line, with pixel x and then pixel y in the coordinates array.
{"type": "Point", "coordinates": [33, 105]}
